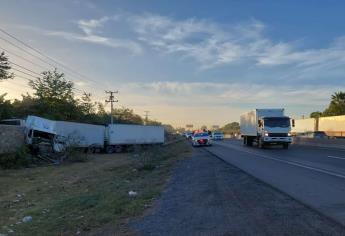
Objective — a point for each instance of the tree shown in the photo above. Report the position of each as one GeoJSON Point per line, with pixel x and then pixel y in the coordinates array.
{"type": "Point", "coordinates": [53, 86]}
{"type": "Point", "coordinates": [6, 109]}
{"type": "Point", "coordinates": [316, 114]}
{"type": "Point", "coordinates": [86, 105]}
{"type": "Point", "coordinates": [231, 128]}
{"type": "Point", "coordinates": [336, 106]}
{"type": "Point", "coordinates": [5, 67]}
{"type": "Point", "coordinates": [54, 97]}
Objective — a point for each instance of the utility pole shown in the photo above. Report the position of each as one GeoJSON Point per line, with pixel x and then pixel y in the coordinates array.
{"type": "Point", "coordinates": [146, 116]}
{"type": "Point", "coordinates": [111, 100]}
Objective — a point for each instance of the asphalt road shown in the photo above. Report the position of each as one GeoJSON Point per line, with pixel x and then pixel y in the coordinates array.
{"type": "Point", "coordinates": [312, 175]}
{"type": "Point", "coordinates": [207, 196]}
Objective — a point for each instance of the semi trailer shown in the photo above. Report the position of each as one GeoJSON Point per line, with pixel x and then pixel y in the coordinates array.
{"type": "Point", "coordinates": [266, 127]}
{"type": "Point", "coordinates": [120, 136]}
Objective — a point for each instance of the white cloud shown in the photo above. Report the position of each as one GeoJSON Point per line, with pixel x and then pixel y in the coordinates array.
{"type": "Point", "coordinates": [218, 94]}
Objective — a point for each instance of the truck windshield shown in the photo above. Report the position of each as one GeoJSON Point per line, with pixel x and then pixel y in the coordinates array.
{"type": "Point", "coordinates": [277, 122]}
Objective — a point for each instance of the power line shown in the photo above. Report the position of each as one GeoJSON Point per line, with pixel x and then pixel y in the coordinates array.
{"type": "Point", "coordinates": [33, 55]}
{"type": "Point", "coordinates": [23, 58]}
{"type": "Point", "coordinates": [24, 68]}
{"type": "Point", "coordinates": [46, 56]}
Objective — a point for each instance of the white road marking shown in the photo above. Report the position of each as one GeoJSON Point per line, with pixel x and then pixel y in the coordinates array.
{"type": "Point", "coordinates": [343, 158]}
{"type": "Point", "coordinates": [291, 163]}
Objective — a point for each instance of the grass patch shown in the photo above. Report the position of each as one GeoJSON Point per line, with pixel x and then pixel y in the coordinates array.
{"type": "Point", "coordinates": [85, 196]}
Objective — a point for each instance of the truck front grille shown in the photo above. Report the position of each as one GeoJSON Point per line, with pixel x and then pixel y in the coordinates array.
{"type": "Point", "coordinates": [277, 134]}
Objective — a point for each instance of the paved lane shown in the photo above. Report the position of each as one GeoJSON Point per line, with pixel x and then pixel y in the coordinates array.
{"type": "Point", "coordinates": [315, 176]}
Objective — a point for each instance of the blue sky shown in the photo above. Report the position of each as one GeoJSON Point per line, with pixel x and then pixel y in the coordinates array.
{"type": "Point", "coordinates": [201, 62]}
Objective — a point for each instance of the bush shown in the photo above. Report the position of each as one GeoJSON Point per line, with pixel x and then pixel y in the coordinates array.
{"type": "Point", "coordinates": [15, 160]}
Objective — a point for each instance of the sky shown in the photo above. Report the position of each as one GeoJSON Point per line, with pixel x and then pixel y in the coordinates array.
{"type": "Point", "coordinates": [187, 62]}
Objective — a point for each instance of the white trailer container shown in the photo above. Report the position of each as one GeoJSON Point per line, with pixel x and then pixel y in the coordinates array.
{"type": "Point", "coordinates": [265, 127]}
{"type": "Point", "coordinates": [122, 135]}
{"type": "Point", "coordinates": [81, 134]}
{"type": "Point", "coordinates": [304, 125]}
{"type": "Point", "coordinates": [332, 125]}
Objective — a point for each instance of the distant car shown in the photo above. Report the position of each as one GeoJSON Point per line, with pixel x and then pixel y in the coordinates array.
{"type": "Point", "coordinates": [314, 134]}
{"type": "Point", "coordinates": [217, 136]}
{"type": "Point", "coordinates": [201, 139]}
{"type": "Point", "coordinates": [188, 135]}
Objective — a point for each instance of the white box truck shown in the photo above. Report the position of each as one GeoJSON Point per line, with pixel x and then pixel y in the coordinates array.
{"type": "Point", "coordinates": [119, 136]}
{"type": "Point", "coordinates": [266, 127]}
{"type": "Point", "coordinates": [81, 135]}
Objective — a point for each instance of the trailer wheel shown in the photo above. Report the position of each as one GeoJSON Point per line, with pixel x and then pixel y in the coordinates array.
{"type": "Point", "coordinates": [109, 149]}
{"type": "Point", "coordinates": [118, 148]}
{"type": "Point", "coordinates": [261, 144]}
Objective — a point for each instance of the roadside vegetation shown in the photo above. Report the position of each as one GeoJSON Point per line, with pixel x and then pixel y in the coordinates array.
{"type": "Point", "coordinates": [336, 106]}
{"type": "Point", "coordinates": [85, 197]}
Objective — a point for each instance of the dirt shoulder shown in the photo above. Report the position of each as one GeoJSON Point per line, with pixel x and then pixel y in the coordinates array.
{"type": "Point", "coordinates": [209, 197]}
{"type": "Point", "coordinates": [86, 197]}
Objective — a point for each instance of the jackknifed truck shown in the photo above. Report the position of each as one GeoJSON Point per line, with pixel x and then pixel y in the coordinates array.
{"type": "Point", "coordinates": [266, 127]}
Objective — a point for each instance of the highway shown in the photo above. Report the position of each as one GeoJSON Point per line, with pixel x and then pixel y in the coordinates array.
{"type": "Point", "coordinates": [314, 176]}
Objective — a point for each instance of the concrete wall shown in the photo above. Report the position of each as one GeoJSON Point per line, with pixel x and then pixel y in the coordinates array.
{"type": "Point", "coordinates": [11, 138]}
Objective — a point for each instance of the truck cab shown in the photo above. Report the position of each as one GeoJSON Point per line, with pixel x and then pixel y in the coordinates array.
{"type": "Point", "coordinates": [266, 127]}
{"type": "Point", "coordinates": [274, 130]}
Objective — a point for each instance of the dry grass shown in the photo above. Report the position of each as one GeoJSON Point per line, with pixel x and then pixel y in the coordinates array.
{"type": "Point", "coordinates": [85, 196]}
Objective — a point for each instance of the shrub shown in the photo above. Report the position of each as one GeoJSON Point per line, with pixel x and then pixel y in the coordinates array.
{"type": "Point", "coordinates": [15, 160]}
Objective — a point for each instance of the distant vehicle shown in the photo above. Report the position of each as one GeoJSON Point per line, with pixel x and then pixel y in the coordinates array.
{"type": "Point", "coordinates": [188, 134]}
{"type": "Point", "coordinates": [217, 135]}
{"type": "Point", "coordinates": [315, 135]}
{"type": "Point", "coordinates": [266, 127]}
{"type": "Point", "coordinates": [201, 139]}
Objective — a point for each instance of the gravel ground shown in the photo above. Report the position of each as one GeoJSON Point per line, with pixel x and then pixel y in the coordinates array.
{"type": "Point", "coordinates": [206, 196]}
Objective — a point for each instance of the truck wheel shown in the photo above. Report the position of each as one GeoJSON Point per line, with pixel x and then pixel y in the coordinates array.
{"type": "Point", "coordinates": [286, 146]}
{"type": "Point", "coordinates": [109, 149]}
{"type": "Point", "coordinates": [250, 142]}
{"type": "Point", "coordinates": [244, 140]}
{"type": "Point", "coordinates": [261, 144]}
{"type": "Point", "coordinates": [118, 148]}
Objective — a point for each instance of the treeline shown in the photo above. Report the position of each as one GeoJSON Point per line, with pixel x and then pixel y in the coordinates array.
{"type": "Point", "coordinates": [54, 98]}
{"type": "Point", "coordinates": [335, 108]}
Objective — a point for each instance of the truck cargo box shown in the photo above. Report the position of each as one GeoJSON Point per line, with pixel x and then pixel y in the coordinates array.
{"type": "Point", "coordinates": [122, 134]}
{"type": "Point", "coordinates": [80, 134]}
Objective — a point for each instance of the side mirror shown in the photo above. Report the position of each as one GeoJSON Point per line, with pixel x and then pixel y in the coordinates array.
{"type": "Point", "coordinates": [293, 122]}
{"type": "Point", "coordinates": [260, 123]}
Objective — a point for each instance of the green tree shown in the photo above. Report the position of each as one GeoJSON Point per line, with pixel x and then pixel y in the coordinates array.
{"type": "Point", "coordinates": [231, 128]}
{"type": "Point", "coordinates": [6, 108]}
{"type": "Point", "coordinates": [316, 114]}
{"type": "Point", "coordinates": [54, 97]}
{"type": "Point", "coordinates": [336, 106]}
{"type": "Point", "coordinates": [127, 116]}
{"type": "Point", "coordinates": [5, 67]}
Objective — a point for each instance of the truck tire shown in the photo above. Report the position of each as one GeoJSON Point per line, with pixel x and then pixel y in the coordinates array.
{"type": "Point", "coordinates": [109, 149]}
{"type": "Point", "coordinates": [118, 148]}
{"type": "Point", "coordinates": [245, 140]}
{"type": "Point", "coordinates": [286, 146]}
{"type": "Point", "coordinates": [261, 144]}
{"type": "Point", "coordinates": [250, 141]}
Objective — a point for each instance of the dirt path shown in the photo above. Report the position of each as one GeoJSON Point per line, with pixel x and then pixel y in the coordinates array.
{"type": "Point", "coordinates": [209, 197]}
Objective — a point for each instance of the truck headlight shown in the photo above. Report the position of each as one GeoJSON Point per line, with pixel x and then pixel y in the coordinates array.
{"type": "Point", "coordinates": [289, 134]}
{"type": "Point", "coordinates": [266, 134]}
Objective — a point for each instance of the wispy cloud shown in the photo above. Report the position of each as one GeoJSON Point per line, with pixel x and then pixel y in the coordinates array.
{"type": "Point", "coordinates": [219, 94]}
